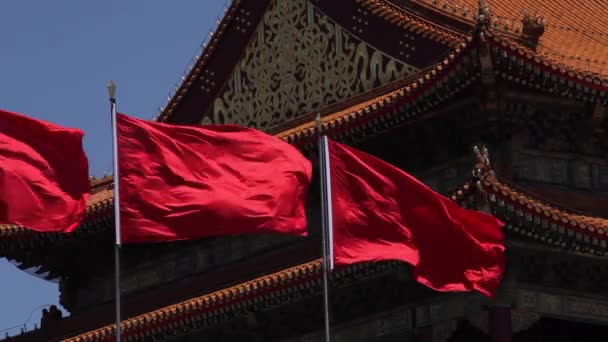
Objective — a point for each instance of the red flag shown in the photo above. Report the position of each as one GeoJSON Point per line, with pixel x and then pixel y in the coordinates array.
{"type": "Point", "coordinates": [186, 182]}
{"type": "Point", "coordinates": [44, 180]}
{"type": "Point", "coordinates": [383, 213]}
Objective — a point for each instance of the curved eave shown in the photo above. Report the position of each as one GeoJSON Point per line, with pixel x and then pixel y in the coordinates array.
{"type": "Point", "coordinates": [400, 17]}
{"type": "Point", "coordinates": [543, 74]}
{"type": "Point", "coordinates": [531, 217]}
{"type": "Point", "coordinates": [207, 310]}
{"type": "Point", "coordinates": [583, 84]}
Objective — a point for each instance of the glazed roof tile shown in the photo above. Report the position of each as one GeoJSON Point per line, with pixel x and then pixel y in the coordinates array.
{"type": "Point", "coordinates": [400, 17]}
{"type": "Point", "coordinates": [574, 35]}
{"type": "Point", "coordinates": [585, 224]}
{"type": "Point", "coordinates": [590, 80]}
{"type": "Point", "coordinates": [257, 294]}
{"type": "Point", "coordinates": [215, 303]}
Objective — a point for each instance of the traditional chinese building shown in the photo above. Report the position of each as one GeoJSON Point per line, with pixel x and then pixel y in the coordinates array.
{"type": "Point", "coordinates": [417, 83]}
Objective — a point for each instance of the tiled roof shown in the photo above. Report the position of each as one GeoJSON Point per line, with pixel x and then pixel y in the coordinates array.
{"type": "Point", "coordinates": [209, 309]}
{"type": "Point", "coordinates": [208, 306]}
{"type": "Point", "coordinates": [575, 78]}
{"type": "Point", "coordinates": [574, 33]}
{"type": "Point", "coordinates": [405, 20]}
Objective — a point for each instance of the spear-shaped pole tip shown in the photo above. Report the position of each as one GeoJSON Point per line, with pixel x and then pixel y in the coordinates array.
{"type": "Point", "coordinates": [112, 90]}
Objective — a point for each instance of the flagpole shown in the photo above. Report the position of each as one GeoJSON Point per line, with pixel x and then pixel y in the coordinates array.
{"type": "Point", "coordinates": [112, 91]}
{"type": "Point", "coordinates": [325, 222]}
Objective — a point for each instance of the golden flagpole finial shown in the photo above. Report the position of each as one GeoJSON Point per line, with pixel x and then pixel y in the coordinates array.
{"type": "Point", "coordinates": [112, 90]}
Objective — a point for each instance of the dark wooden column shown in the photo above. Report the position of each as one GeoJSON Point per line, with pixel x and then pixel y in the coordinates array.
{"type": "Point", "coordinates": [424, 334]}
{"type": "Point", "coordinates": [499, 323]}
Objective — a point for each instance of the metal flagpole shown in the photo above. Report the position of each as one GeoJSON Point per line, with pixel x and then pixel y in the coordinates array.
{"type": "Point", "coordinates": [325, 221]}
{"type": "Point", "coordinates": [112, 91]}
{"type": "Point", "coordinates": [329, 223]}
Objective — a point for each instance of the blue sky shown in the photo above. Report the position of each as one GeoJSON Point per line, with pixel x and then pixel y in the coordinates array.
{"type": "Point", "coordinates": [56, 58]}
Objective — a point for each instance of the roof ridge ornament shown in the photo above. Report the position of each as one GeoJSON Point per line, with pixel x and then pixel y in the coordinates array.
{"type": "Point", "coordinates": [481, 171]}
{"type": "Point", "coordinates": [482, 166]}
{"type": "Point", "coordinates": [533, 27]}
{"type": "Point", "coordinates": [484, 14]}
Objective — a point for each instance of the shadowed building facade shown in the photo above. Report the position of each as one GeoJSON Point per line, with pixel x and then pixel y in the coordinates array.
{"type": "Point", "coordinates": [417, 83]}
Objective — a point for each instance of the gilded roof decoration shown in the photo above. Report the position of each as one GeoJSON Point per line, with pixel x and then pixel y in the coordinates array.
{"type": "Point", "coordinates": [300, 60]}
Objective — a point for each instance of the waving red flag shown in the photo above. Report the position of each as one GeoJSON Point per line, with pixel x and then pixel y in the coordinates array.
{"type": "Point", "coordinates": [383, 213]}
{"type": "Point", "coordinates": [44, 180]}
{"type": "Point", "coordinates": [186, 182]}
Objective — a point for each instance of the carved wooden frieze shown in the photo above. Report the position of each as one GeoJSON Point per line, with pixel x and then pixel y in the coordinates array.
{"type": "Point", "coordinates": [569, 307]}
{"type": "Point", "coordinates": [297, 61]}
{"type": "Point", "coordinates": [563, 169]}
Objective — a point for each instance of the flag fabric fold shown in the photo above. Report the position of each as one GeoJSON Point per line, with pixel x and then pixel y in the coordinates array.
{"type": "Point", "coordinates": [44, 180]}
{"type": "Point", "coordinates": [187, 182]}
{"type": "Point", "coordinates": [383, 213]}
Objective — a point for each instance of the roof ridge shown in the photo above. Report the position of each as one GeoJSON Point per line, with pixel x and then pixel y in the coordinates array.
{"type": "Point", "coordinates": [209, 49]}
